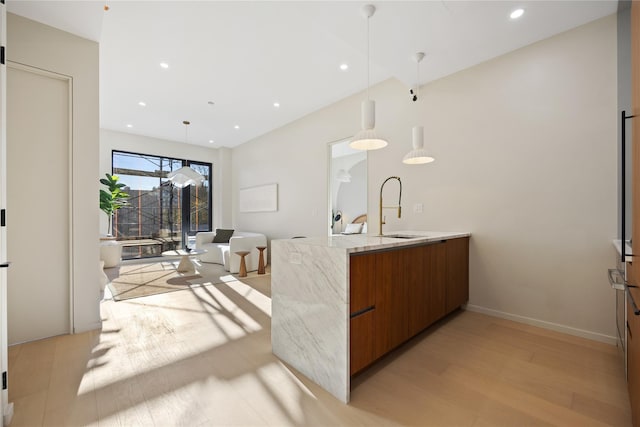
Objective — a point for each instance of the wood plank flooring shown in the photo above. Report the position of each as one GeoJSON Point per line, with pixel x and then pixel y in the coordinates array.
{"type": "Point", "coordinates": [202, 357]}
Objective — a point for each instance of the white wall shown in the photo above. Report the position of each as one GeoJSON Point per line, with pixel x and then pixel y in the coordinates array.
{"type": "Point", "coordinates": [525, 149]}
{"type": "Point", "coordinates": [220, 158]}
{"type": "Point", "coordinates": [38, 45]}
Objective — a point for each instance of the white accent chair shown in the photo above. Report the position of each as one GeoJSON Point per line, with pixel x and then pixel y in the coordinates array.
{"type": "Point", "coordinates": [224, 253]}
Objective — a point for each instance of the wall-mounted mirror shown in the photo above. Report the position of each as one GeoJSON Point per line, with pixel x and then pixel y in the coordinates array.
{"type": "Point", "coordinates": [347, 189]}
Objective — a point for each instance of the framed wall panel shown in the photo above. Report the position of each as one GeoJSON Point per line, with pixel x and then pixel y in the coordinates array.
{"type": "Point", "coordinates": [262, 198]}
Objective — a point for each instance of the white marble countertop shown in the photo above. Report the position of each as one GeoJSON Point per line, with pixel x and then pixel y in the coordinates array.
{"type": "Point", "coordinates": [367, 242]}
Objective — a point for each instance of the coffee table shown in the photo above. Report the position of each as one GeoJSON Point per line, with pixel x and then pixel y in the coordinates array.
{"type": "Point", "coordinates": [185, 263]}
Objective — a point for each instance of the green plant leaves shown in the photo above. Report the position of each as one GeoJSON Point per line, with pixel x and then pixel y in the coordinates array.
{"type": "Point", "coordinates": [113, 198]}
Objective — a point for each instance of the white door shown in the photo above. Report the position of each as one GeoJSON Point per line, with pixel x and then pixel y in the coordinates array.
{"type": "Point", "coordinates": [38, 197]}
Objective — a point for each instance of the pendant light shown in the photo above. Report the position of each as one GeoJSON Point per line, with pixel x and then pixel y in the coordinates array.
{"type": "Point", "coordinates": [366, 139]}
{"type": "Point", "coordinates": [418, 155]}
{"type": "Point", "coordinates": [185, 176]}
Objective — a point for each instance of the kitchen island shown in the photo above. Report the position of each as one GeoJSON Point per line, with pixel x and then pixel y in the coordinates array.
{"type": "Point", "coordinates": [339, 303]}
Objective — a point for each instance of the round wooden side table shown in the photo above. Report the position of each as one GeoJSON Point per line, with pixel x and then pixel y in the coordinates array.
{"type": "Point", "coordinates": [261, 260]}
{"type": "Point", "coordinates": [243, 265]}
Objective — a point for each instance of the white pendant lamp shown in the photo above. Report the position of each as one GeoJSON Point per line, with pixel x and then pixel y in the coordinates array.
{"type": "Point", "coordinates": [367, 139]}
{"type": "Point", "coordinates": [185, 176]}
{"type": "Point", "coordinates": [418, 155]}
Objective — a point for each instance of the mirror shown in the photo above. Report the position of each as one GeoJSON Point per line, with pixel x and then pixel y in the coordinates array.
{"type": "Point", "coordinates": [347, 189]}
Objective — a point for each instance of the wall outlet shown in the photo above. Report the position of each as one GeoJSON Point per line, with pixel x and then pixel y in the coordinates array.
{"type": "Point", "coordinates": [417, 208]}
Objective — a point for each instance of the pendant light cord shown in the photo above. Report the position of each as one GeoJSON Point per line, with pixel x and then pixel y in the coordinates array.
{"type": "Point", "coordinates": [368, 58]}
{"type": "Point", "coordinates": [417, 80]}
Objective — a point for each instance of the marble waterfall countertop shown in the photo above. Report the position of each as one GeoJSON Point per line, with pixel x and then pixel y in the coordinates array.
{"type": "Point", "coordinates": [310, 312]}
{"type": "Point", "coordinates": [367, 242]}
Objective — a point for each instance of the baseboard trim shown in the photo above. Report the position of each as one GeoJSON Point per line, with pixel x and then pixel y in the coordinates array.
{"type": "Point", "coordinates": [88, 327]}
{"type": "Point", "coordinates": [544, 324]}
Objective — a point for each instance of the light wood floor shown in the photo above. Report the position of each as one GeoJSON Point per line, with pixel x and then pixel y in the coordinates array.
{"type": "Point", "coordinates": [203, 357]}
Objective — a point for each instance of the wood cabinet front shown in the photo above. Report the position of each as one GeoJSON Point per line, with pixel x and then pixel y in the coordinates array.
{"type": "Point", "coordinates": [633, 321]}
{"type": "Point", "coordinates": [395, 294]}
{"type": "Point", "coordinates": [633, 356]}
{"type": "Point", "coordinates": [426, 286]}
{"type": "Point", "coordinates": [457, 290]}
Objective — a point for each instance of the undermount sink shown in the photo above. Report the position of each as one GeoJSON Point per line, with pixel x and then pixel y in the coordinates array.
{"type": "Point", "coordinates": [402, 236]}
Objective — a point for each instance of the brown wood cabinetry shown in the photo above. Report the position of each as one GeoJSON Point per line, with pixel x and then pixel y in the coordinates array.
{"type": "Point", "coordinates": [457, 291]}
{"type": "Point", "coordinates": [633, 276]}
{"type": "Point", "coordinates": [391, 316]}
{"type": "Point", "coordinates": [395, 294]}
{"type": "Point", "coordinates": [362, 333]}
{"type": "Point", "coordinates": [362, 297]}
{"type": "Point", "coordinates": [426, 289]}
{"type": "Point", "coordinates": [633, 354]}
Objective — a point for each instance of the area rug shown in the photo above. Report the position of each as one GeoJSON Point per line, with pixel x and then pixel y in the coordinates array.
{"type": "Point", "coordinates": [145, 279]}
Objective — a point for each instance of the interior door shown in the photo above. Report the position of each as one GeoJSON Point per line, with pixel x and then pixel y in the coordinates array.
{"type": "Point", "coordinates": [38, 194]}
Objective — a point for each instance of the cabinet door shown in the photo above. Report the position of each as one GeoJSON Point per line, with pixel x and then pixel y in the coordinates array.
{"type": "Point", "coordinates": [635, 134]}
{"type": "Point", "coordinates": [425, 272]}
{"type": "Point", "coordinates": [457, 281]}
{"type": "Point", "coordinates": [362, 294]}
{"type": "Point", "coordinates": [633, 345]}
{"type": "Point", "coordinates": [391, 313]}
{"type": "Point", "coordinates": [633, 357]}
{"type": "Point", "coordinates": [417, 289]}
{"type": "Point", "coordinates": [362, 282]}
{"type": "Point", "coordinates": [361, 341]}
{"type": "Point", "coordinates": [435, 273]}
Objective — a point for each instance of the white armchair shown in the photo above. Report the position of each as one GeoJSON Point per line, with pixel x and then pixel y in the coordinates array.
{"type": "Point", "coordinates": [224, 253]}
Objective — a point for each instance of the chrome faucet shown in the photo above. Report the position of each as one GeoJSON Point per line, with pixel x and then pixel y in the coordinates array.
{"type": "Point", "coordinates": [390, 207]}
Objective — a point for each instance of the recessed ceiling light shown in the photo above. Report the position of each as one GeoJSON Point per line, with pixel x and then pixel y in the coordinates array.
{"type": "Point", "coordinates": [142, 104]}
{"type": "Point", "coordinates": [344, 67]}
{"type": "Point", "coordinates": [211, 141]}
{"type": "Point", "coordinates": [129, 125]}
{"type": "Point", "coordinates": [276, 104]}
{"type": "Point", "coordinates": [236, 127]}
{"type": "Point", "coordinates": [516, 13]}
{"type": "Point", "coordinates": [164, 65]}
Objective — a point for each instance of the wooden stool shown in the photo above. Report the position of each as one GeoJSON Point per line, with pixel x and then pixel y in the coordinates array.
{"type": "Point", "coordinates": [243, 265]}
{"type": "Point", "coordinates": [261, 260]}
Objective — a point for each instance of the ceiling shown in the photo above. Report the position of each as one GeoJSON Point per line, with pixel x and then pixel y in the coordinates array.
{"type": "Point", "coordinates": [229, 62]}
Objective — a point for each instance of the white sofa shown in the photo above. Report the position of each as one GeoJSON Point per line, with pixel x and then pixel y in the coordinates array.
{"type": "Point", "coordinates": [224, 253]}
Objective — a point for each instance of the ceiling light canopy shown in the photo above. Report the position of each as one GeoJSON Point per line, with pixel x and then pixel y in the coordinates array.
{"type": "Point", "coordinates": [367, 139]}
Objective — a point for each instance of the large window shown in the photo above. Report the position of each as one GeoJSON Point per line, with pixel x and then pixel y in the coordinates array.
{"type": "Point", "coordinates": [160, 216]}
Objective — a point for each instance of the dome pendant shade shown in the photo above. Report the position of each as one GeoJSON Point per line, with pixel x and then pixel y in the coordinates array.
{"type": "Point", "coordinates": [184, 177]}
{"type": "Point", "coordinates": [367, 139]}
{"type": "Point", "coordinates": [418, 155]}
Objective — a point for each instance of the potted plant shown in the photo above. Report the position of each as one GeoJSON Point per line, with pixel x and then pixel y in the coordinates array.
{"type": "Point", "coordinates": [111, 199]}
